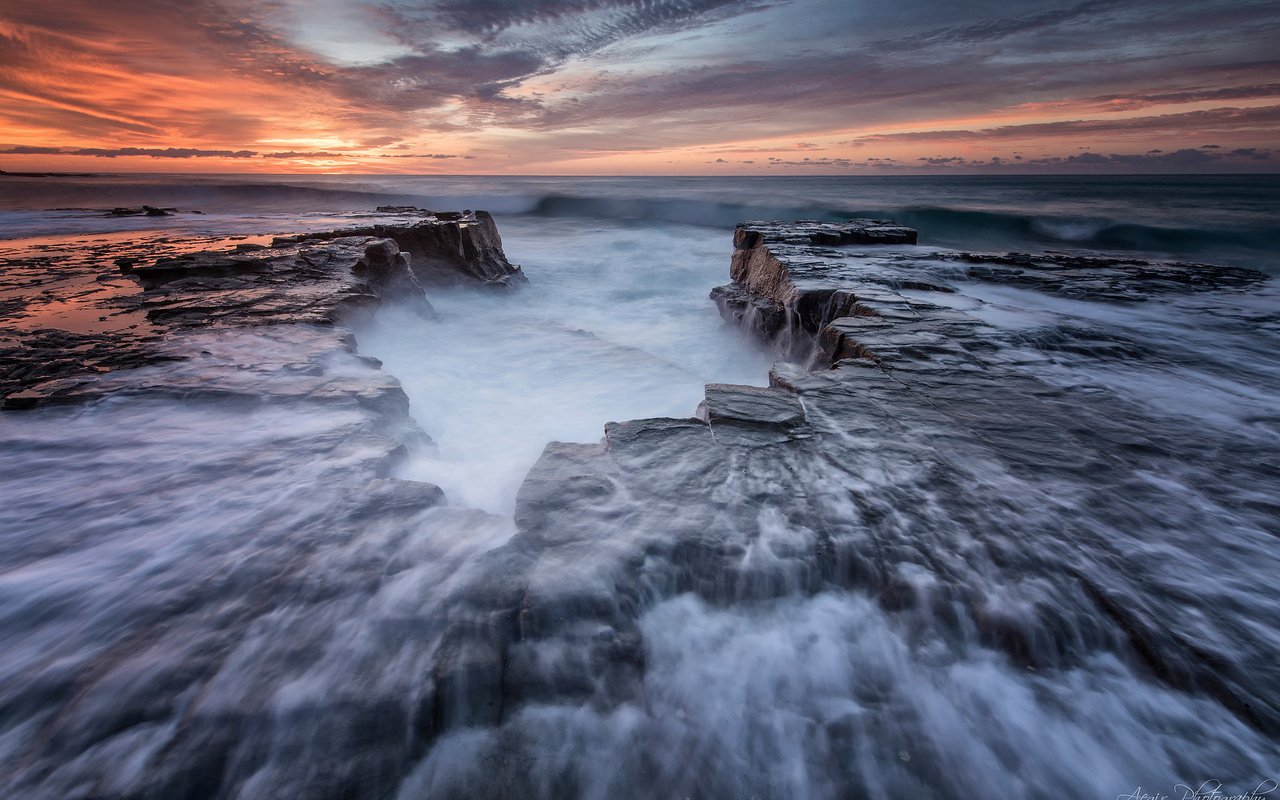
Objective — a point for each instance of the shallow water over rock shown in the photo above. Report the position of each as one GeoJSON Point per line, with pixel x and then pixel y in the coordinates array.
{"type": "Point", "coordinates": [1019, 540]}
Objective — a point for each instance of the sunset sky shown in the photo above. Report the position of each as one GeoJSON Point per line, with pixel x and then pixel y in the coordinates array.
{"type": "Point", "coordinates": [613, 87]}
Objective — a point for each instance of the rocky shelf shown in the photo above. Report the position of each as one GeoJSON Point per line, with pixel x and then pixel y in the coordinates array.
{"type": "Point", "coordinates": [315, 279]}
{"type": "Point", "coordinates": [803, 288]}
{"type": "Point", "coordinates": [868, 472]}
{"type": "Point", "coordinates": [881, 459]}
{"type": "Point", "coordinates": [445, 248]}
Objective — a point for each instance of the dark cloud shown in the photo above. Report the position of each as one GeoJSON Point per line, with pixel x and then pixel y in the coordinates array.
{"type": "Point", "coordinates": [1263, 118]}
{"type": "Point", "coordinates": [838, 163]}
{"type": "Point", "coordinates": [850, 77]}
{"type": "Point", "coordinates": [181, 152]}
{"type": "Point", "coordinates": [167, 152]}
{"type": "Point", "coordinates": [28, 150]}
{"type": "Point", "coordinates": [1190, 95]}
{"type": "Point", "coordinates": [625, 16]}
{"type": "Point", "coordinates": [513, 41]}
{"type": "Point", "coordinates": [1188, 159]}
{"type": "Point", "coordinates": [312, 154]}
{"type": "Point", "coordinates": [152, 152]}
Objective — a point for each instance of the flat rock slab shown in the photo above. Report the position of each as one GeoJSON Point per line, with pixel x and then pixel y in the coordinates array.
{"type": "Point", "coordinates": [731, 404]}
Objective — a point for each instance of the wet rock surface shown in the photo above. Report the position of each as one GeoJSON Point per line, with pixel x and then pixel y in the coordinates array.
{"type": "Point", "coordinates": [934, 526]}
{"type": "Point", "coordinates": [108, 305]}
{"type": "Point", "coordinates": [789, 287]}
{"type": "Point", "coordinates": [143, 211]}
{"type": "Point", "coordinates": [935, 468]}
{"type": "Point", "coordinates": [237, 454]}
{"type": "Point", "coordinates": [246, 486]}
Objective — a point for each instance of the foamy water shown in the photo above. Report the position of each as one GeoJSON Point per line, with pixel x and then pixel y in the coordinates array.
{"type": "Point", "coordinates": [615, 326]}
{"type": "Point", "coordinates": [194, 601]}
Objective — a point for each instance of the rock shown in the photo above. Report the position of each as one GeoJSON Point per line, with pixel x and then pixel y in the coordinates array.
{"type": "Point", "coordinates": [326, 278]}
{"type": "Point", "coordinates": [821, 292]}
{"type": "Point", "coordinates": [1105, 279]}
{"type": "Point", "coordinates": [142, 211]}
{"type": "Point", "coordinates": [781, 288]}
{"type": "Point", "coordinates": [406, 210]}
{"type": "Point", "coordinates": [388, 269]}
{"type": "Point", "coordinates": [727, 404]}
{"type": "Point", "coordinates": [317, 281]}
{"type": "Point", "coordinates": [446, 249]}
{"type": "Point", "coordinates": [912, 468]}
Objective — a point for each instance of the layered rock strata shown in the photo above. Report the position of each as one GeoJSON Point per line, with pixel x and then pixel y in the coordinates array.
{"type": "Point", "coordinates": [931, 468]}
{"type": "Point", "coordinates": [239, 450]}
{"type": "Point", "coordinates": [315, 279]}
{"type": "Point", "coordinates": [805, 287]}
{"type": "Point", "coordinates": [445, 248]}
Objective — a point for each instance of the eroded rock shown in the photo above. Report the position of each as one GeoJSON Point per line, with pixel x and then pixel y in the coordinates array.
{"type": "Point", "coordinates": [326, 278]}
{"type": "Point", "coordinates": [445, 248]}
{"type": "Point", "coordinates": [926, 465]}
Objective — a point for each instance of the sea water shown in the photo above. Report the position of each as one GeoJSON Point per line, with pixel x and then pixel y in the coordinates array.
{"type": "Point", "coordinates": [175, 591]}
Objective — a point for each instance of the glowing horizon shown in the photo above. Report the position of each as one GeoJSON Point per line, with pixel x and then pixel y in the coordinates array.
{"type": "Point", "coordinates": [609, 87]}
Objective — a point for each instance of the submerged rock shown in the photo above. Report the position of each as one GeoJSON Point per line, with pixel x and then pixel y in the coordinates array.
{"type": "Point", "coordinates": [142, 211]}
{"type": "Point", "coordinates": [404, 210]}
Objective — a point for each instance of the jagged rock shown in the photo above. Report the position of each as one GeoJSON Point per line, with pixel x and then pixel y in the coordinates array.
{"type": "Point", "coordinates": [760, 314]}
{"type": "Point", "coordinates": [446, 249]}
{"type": "Point", "coordinates": [781, 290]}
{"type": "Point", "coordinates": [388, 269]}
{"type": "Point", "coordinates": [314, 281]}
{"type": "Point", "coordinates": [749, 235]}
{"type": "Point", "coordinates": [814, 300]}
{"type": "Point", "coordinates": [325, 278]}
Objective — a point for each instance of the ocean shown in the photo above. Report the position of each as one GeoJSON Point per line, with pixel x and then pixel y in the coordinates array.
{"type": "Point", "coordinates": [167, 576]}
{"type": "Point", "coordinates": [1224, 219]}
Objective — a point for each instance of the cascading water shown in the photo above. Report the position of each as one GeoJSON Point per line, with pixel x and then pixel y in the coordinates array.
{"type": "Point", "coordinates": [1057, 585]}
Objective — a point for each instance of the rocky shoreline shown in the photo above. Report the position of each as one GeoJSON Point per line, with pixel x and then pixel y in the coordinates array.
{"type": "Point", "coordinates": [881, 460]}
{"type": "Point", "coordinates": [819, 304]}
{"type": "Point", "coordinates": [331, 278]}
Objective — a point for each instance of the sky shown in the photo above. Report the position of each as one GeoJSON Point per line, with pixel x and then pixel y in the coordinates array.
{"type": "Point", "coordinates": [617, 87]}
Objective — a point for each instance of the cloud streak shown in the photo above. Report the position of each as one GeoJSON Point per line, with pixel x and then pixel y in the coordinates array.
{"type": "Point", "coordinates": [617, 86]}
{"type": "Point", "coordinates": [1209, 121]}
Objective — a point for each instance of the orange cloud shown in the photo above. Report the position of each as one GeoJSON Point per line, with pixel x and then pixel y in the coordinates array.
{"type": "Point", "coordinates": [229, 85]}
